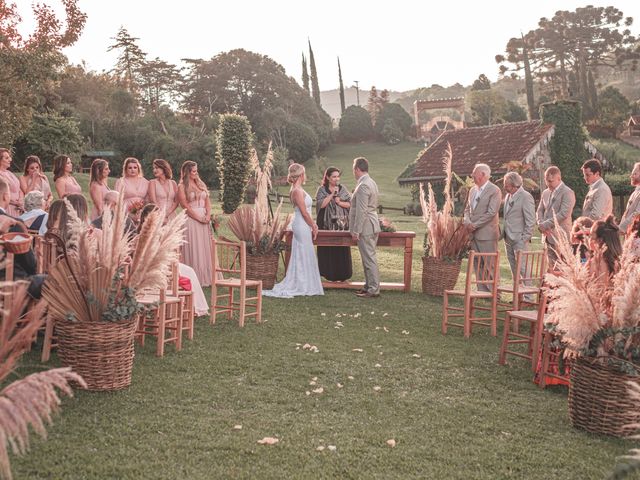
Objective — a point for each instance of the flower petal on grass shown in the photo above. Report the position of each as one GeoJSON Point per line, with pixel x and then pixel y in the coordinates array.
{"type": "Point", "coordinates": [391, 442]}
{"type": "Point", "coordinates": [415, 355]}
{"type": "Point", "coordinates": [332, 448]}
{"type": "Point", "coordinates": [318, 390]}
{"type": "Point", "coordinates": [339, 385]}
{"type": "Point", "coordinates": [377, 388]}
{"type": "Point", "coordinates": [237, 427]}
{"type": "Point", "coordinates": [320, 448]}
{"type": "Point", "coordinates": [268, 441]}
{"type": "Point", "coordinates": [359, 350]}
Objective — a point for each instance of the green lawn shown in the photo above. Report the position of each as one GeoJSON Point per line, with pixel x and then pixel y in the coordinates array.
{"type": "Point", "coordinates": [453, 411]}
{"type": "Point", "coordinates": [621, 154]}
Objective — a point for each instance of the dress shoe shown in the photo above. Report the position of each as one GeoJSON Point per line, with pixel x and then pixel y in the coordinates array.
{"type": "Point", "coordinates": [358, 292]}
{"type": "Point", "coordinates": [368, 295]}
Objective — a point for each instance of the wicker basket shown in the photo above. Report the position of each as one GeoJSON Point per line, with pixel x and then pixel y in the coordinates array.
{"type": "Point", "coordinates": [101, 352]}
{"type": "Point", "coordinates": [598, 399]}
{"type": "Point", "coordinates": [263, 267]}
{"type": "Point", "coordinates": [439, 275]}
{"type": "Point", "coordinates": [16, 247]}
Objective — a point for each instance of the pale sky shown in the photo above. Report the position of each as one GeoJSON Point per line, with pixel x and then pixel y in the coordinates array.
{"type": "Point", "coordinates": [398, 45]}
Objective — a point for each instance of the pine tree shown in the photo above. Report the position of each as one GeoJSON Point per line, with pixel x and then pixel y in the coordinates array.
{"type": "Point", "coordinates": [528, 82]}
{"type": "Point", "coordinates": [315, 88]}
{"type": "Point", "coordinates": [305, 74]}
{"type": "Point", "coordinates": [342, 105]}
{"type": "Point", "coordinates": [131, 58]}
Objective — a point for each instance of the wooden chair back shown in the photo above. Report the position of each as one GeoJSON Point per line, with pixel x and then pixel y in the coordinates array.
{"type": "Point", "coordinates": [530, 268]}
{"type": "Point", "coordinates": [482, 270]}
{"type": "Point", "coordinates": [229, 260]}
{"type": "Point", "coordinates": [46, 253]}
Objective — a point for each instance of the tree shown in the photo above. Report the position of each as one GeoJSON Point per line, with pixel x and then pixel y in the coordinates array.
{"type": "Point", "coordinates": [234, 144]}
{"type": "Point", "coordinates": [528, 81]}
{"type": "Point", "coordinates": [342, 103]}
{"type": "Point", "coordinates": [488, 107]}
{"type": "Point", "coordinates": [514, 113]}
{"type": "Point", "coordinates": [305, 74]}
{"type": "Point", "coordinates": [391, 133]}
{"type": "Point", "coordinates": [130, 61]}
{"type": "Point", "coordinates": [401, 119]}
{"type": "Point", "coordinates": [355, 124]}
{"type": "Point", "coordinates": [613, 109]}
{"type": "Point", "coordinates": [302, 142]}
{"type": "Point", "coordinates": [315, 87]}
{"type": "Point", "coordinates": [481, 83]}
{"type": "Point", "coordinates": [27, 67]}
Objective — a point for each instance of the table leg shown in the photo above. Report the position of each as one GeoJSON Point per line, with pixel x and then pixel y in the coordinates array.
{"type": "Point", "coordinates": [408, 258]}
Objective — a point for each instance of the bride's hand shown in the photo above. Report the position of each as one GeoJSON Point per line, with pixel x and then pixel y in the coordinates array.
{"type": "Point", "coordinates": [314, 230]}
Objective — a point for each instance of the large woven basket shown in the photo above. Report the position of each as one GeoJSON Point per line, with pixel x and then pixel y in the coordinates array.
{"type": "Point", "coordinates": [598, 399]}
{"type": "Point", "coordinates": [263, 267]}
{"type": "Point", "coordinates": [439, 275]}
{"type": "Point", "coordinates": [101, 352]}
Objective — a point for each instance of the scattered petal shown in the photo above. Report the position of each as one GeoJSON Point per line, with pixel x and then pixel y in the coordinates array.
{"type": "Point", "coordinates": [237, 427]}
{"type": "Point", "coordinates": [385, 329]}
{"type": "Point", "coordinates": [297, 348]}
{"type": "Point", "coordinates": [373, 313]}
{"type": "Point", "coordinates": [391, 442]}
{"type": "Point", "coordinates": [312, 382]}
{"type": "Point", "coordinates": [318, 390]}
{"type": "Point", "coordinates": [307, 393]}
{"type": "Point", "coordinates": [385, 314]}
{"type": "Point", "coordinates": [415, 355]}
{"type": "Point", "coordinates": [377, 365]}
{"type": "Point", "coordinates": [404, 332]}
{"type": "Point", "coordinates": [338, 315]}
{"type": "Point", "coordinates": [339, 385]}
{"type": "Point", "coordinates": [332, 448]}
{"type": "Point", "coordinates": [377, 388]}
{"type": "Point", "coordinates": [268, 441]}
{"type": "Point", "coordinates": [377, 328]}
{"type": "Point", "coordinates": [323, 314]}
{"type": "Point", "coordinates": [306, 346]}
{"type": "Point", "coordinates": [350, 377]}
{"type": "Point", "coordinates": [315, 379]}
{"type": "Point", "coordinates": [320, 448]}
{"type": "Point", "coordinates": [359, 350]}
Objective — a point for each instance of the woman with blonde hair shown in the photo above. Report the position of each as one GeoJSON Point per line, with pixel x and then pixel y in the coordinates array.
{"type": "Point", "coordinates": [34, 180]}
{"type": "Point", "coordinates": [63, 177]}
{"type": "Point", "coordinates": [98, 186]}
{"type": "Point", "coordinates": [303, 276]}
{"type": "Point", "coordinates": [16, 204]}
{"type": "Point", "coordinates": [163, 190]}
{"type": "Point", "coordinates": [193, 196]}
{"type": "Point", "coordinates": [134, 185]}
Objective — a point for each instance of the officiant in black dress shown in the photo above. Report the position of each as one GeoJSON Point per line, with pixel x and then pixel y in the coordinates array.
{"type": "Point", "coordinates": [332, 206]}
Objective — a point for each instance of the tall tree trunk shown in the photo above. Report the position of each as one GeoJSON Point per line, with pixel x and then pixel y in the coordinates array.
{"type": "Point", "coordinates": [528, 81]}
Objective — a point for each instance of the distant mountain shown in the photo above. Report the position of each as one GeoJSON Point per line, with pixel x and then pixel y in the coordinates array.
{"type": "Point", "coordinates": [331, 99]}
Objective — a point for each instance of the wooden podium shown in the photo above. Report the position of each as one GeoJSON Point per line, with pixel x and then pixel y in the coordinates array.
{"type": "Point", "coordinates": [335, 238]}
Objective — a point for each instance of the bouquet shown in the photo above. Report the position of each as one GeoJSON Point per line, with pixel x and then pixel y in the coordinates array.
{"type": "Point", "coordinates": [386, 225]}
{"type": "Point", "coordinates": [135, 208]}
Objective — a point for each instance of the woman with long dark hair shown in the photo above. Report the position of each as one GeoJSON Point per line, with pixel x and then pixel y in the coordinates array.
{"type": "Point", "coordinates": [332, 206]}
{"type": "Point", "coordinates": [63, 177]}
{"type": "Point", "coordinates": [34, 179]}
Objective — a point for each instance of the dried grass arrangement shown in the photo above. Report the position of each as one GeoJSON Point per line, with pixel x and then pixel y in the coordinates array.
{"type": "Point", "coordinates": [30, 401]}
{"type": "Point", "coordinates": [254, 225]}
{"type": "Point", "coordinates": [98, 279]}
{"type": "Point", "coordinates": [446, 237]}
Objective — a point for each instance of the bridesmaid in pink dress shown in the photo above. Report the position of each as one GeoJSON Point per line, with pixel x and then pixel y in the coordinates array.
{"type": "Point", "coordinates": [134, 185]}
{"type": "Point", "coordinates": [163, 191]}
{"type": "Point", "coordinates": [63, 178]}
{"type": "Point", "coordinates": [34, 180]}
{"type": "Point", "coordinates": [98, 186]}
{"type": "Point", "coordinates": [17, 197]}
{"type": "Point", "coordinates": [194, 199]}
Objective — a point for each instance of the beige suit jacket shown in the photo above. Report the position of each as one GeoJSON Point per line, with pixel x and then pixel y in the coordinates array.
{"type": "Point", "coordinates": [562, 205]}
{"type": "Point", "coordinates": [363, 216]}
{"type": "Point", "coordinates": [485, 216]}
{"type": "Point", "coordinates": [633, 208]}
{"type": "Point", "coordinates": [598, 204]}
{"type": "Point", "coordinates": [519, 216]}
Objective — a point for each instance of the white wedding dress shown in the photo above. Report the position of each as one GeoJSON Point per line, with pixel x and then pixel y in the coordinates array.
{"type": "Point", "coordinates": [303, 276]}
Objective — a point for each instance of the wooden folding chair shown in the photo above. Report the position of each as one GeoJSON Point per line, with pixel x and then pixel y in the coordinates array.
{"type": "Point", "coordinates": [164, 319]}
{"type": "Point", "coordinates": [188, 314]}
{"type": "Point", "coordinates": [530, 270]}
{"type": "Point", "coordinates": [230, 260]}
{"type": "Point", "coordinates": [536, 320]}
{"type": "Point", "coordinates": [47, 255]}
{"type": "Point", "coordinates": [550, 359]}
{"type": "Point", "coordinates": [482, 269]}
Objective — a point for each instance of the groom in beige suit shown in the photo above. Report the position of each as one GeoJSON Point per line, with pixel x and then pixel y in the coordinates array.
{"type": "Point", "coordinates": [633, 206]}
{"type": "Point", "coordinates": [519, 214]}
{"type": "Point", "coordinates": [481, 213]}
{"type": "Point", "coordinates": [365, 226]}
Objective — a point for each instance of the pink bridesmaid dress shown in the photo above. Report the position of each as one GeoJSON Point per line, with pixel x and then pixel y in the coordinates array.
{"type": "Point", "coordinates": [135, 189]}
{"type": "Point", "coordinates": [14, 189]}
{"type": "Point", "coordinates": [196, 251]}
{"type": "Point", "coordinates": [94, 211]}
{"type": "Point", "coordinates": [43, 186]}
{"type": "Point", "coordinates": [71, 186]}
{"type": "Point", "coordinates": [165, 195]}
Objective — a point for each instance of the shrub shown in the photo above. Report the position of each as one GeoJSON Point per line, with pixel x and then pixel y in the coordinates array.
{"type": "Point", "coordinates": [234, 143]}
{"type": "Point", "coordinates": [302, 141]}
{"type": "Point", "coordinates": [355, 124]}
{"type": "Point", "coordinates": [391, 133]}
{"type": "Point", "coordinates": [395, 112]}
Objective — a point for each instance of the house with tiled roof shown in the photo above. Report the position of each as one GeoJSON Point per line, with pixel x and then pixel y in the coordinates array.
{"type": "Point", "coordinates": [495, 145]}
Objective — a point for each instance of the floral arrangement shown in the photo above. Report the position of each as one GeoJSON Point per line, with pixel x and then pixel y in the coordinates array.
{"type": "Point", "coordinates": [590, 322]}
{"type": "Point", "coordinates": [446, 237]}
{"type": "Point", "coordinates": [136, 207]}
{"type": "Point", "coordinates": [386, 225]}
{"type": "Point", "coordinates": [98, 279]}
{"type": "Point", "coordinates": [215, 223]}
{"type": "Point", "coordinates": [254, 225]}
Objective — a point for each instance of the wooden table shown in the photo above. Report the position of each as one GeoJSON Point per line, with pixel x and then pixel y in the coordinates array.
{"type": "Point", "coordinates": [333, 238]}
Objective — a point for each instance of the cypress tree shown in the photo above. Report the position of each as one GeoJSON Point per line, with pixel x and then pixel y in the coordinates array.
{"type": "Point", "coordinates": [342, 105]}
{"type": "Point", "coordinates": [234, 143]}
{"type": "Point", "coordinates": [305, 74]}
{"type": "Point", "coordinates": [315, 88]}
{"type": "Point", "coordinates": [528, 81]}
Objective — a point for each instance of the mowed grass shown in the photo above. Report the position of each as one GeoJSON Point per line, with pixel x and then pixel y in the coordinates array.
{"type": "Point", "coordinates": [453, 411]}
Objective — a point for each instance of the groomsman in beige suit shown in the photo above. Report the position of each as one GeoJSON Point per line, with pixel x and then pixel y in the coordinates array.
{"type": "Point", "coordinates": [598, 204]}
{"type": "Point", "coordinates": [365, 226]}
{"type": "Point", "coordinates": [519, 212]}
{"type": "Point", "coordinates": [556, 199]}
{"type": "Point", "coordinates": [481, 213]}
{"type": "Point", "coordinates": [633, 206]}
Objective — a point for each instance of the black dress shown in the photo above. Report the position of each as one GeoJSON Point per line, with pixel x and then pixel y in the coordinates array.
{"type": "Point", "coordinates": [334, 262]}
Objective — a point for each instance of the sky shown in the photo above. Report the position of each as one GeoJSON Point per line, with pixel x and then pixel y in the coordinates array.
{"type": "Point", "coordinates": [399, 45]}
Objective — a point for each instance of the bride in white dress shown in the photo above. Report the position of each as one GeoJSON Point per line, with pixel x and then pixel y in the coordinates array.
{"type": "Point", "coordinates": [303, 276]}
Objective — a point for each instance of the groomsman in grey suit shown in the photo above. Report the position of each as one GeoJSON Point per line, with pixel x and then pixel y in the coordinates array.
{"type": "Point", "coordinates": [633, 206]}
{"type": "Point", "coordinates": [365, 226]}
{"type": "Point", "coordinates": [556, 199]}
{"type": "Point", "coordinates": [519, 213]}
{"type": "Point", "coordinates": [598, 204]}
{"type": "Point", "coordinates": [481, 213]}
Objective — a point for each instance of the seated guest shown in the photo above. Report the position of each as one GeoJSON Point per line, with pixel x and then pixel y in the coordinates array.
{"type": "Point", "coordinates": [579, 237]}
{"type": "Point", "coordinates": [80, 205]}
{"type": "Point", "coordinates": [34, 217]}
{"type": "Point", "coordinates": [110, 200]}
{"type": "Point", "coordinates": [604, 242]}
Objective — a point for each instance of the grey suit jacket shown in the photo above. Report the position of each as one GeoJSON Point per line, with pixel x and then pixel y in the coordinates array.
{"type": "Point", "coordinates": [485, 216]}
{"type": "Point", "coordinates": [563, 202]}
{"type": "Point", "coordinates": [598, 204]}
{"type": "Point", "coordinates": [519, 216]}
{"type": "Point", "coordinates": [633, 208]}
{"type": "Point", "coordinates": [363, 216]}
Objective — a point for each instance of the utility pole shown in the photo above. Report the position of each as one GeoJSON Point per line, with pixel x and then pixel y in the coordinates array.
{"type": "Point", "coordinates": [357, 91]}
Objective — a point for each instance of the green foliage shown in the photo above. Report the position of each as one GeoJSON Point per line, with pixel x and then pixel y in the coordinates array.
{"type": "Point", "coordinates": [355, 124]}
{"type": "Point", "coordinates": [621, 155]}
{"type": "Point", "coordinates": [280, 161]}
{"type": "Point", "coordinates": [302, 142]}
{"type": "Point", "coordinates": [567, 145]}
{"type": "Point", "coordinates": [391, 132]}
{"type": "Point", "coordinates": [613, 109]}
{"type": "Point", "coordinates": [50, 135]}
{"type": "Point", "coordinates": [488, 107]}
{"type": "Point", "coordinates": [342, 102]}
{"type": "Point", "coordinates": [305, 74]}
{"type": "Point", "coordinates": [234, 143]}
{"type": "Point", "coordinates": [481, 83]}
{"type": "Point", "coordinates": [315, 87]}
{"type": "Point", "coordinates": [399, 116]}
{"type": "Point", "coordinates": [514, 113]}
{"type": "Point", "coordinates": [620, 184]}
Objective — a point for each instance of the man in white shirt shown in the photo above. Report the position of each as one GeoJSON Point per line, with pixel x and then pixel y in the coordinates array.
{"type": "Point", "coordinates": [598, 204]}
{"type": "Point", "coordinates": [633, 206]}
